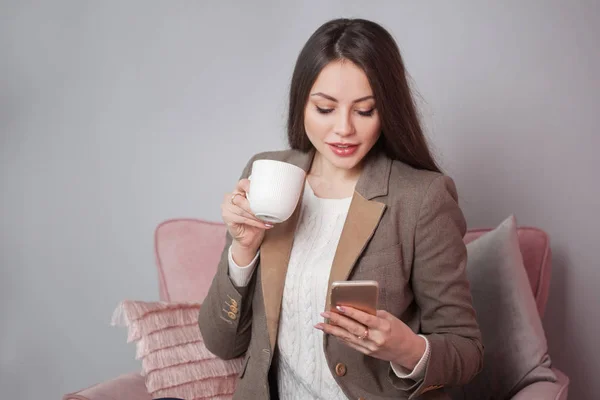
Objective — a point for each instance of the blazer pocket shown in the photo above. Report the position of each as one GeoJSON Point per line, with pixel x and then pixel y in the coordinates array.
{"type": "Point", "coordinates": [376, 259]}
{"type": "Point", "coordinates": [244, 365]}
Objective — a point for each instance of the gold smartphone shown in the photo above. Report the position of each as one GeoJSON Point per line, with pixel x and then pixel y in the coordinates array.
{"type": "Point", "coordinates": [362, 295]}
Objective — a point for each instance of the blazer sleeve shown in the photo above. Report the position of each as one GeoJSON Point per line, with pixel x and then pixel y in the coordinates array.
{"type": "Point", "coordinates": [442, 293]}
{"type": "Point", "coordinates": [225, 317]}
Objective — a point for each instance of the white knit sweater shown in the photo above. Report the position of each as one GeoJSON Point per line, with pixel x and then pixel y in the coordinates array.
{"type": "Point", "coordinates": [302, 369]}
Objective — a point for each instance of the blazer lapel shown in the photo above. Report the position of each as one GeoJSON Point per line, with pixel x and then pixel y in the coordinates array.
{"type": "Point", "coordinates": [275, 255]}
{"type": "Point", "coordinates": [363, 217]}
{"type": "Point", "coordinates": [274, 258]}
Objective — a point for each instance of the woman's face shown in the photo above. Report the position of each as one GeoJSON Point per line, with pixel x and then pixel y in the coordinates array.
{"type": "Point", "coordinates": [340, 117]}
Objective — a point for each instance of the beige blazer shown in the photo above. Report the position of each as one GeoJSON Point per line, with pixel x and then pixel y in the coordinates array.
{"type": "Point", "coordinates": [404, 228]}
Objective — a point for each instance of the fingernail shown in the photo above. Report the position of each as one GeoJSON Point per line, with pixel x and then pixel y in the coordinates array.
{"type": "Point", "coordinates": [319, 327]}
{"type": "Point", "coordinates": [340, 309]}
{"type": "Point", "coordinates": [325, 314]}
{"type": "Point", "coordinates": [268, 225]}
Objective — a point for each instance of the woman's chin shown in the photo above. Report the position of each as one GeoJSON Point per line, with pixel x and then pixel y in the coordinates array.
{"type": "Point", "coordinates": [347, 163]}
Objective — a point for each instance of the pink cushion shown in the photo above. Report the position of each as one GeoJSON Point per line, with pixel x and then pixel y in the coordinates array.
{"type": "Point", "coordinates": [187, 255]}
{"type": "Point", "coordinates": [175, 362]}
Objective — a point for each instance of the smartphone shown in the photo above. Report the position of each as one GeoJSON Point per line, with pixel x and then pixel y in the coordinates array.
{"type": "Point", "coordinates": [362, 295]}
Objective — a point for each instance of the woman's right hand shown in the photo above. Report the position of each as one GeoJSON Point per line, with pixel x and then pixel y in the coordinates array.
{"type": "Point", "coordinates": [246, 230]}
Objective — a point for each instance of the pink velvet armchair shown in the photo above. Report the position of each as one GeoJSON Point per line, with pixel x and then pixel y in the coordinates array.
{"type": "Point", "coordinates": [187, 254]}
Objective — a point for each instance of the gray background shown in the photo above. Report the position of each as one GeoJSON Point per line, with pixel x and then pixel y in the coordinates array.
{"type": "Point", "coordinates": [117, 115]}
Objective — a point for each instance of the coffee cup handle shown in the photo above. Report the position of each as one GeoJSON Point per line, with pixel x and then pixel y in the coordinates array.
{"type": "Point", "coordinates": [248, 192]}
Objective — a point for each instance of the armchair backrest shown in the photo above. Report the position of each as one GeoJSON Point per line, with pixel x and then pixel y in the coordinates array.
{"type": "Point", "coordinates": [188, 252]}
{"type": "Point", "coordinates": [187, 255]}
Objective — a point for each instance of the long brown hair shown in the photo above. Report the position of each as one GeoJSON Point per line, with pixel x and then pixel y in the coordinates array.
{"type": "Point", "coordinates": [372, 48]}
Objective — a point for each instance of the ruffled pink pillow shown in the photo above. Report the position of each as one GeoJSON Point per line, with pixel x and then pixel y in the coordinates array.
{"type": "Point", "coordinates": [175, 361]}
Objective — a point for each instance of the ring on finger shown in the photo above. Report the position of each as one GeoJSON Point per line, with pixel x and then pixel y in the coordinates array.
{"type": "Point", "coordinates": [364, 335]}
{"type": "Point", "coordinates": [233, 197]}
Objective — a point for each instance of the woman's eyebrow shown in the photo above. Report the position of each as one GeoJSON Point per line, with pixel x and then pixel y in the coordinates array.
{"type": "Point", "coordinates": [328, 97]}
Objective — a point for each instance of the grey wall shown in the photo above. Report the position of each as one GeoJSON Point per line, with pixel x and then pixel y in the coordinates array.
{"type": "Point", "coordinates": [117, 115]}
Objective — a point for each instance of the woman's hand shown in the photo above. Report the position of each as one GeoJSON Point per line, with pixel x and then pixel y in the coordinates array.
{"type": "Point", "coordinates": [383, 336]}
{"type": "Point", "coordinates": [246, 230]}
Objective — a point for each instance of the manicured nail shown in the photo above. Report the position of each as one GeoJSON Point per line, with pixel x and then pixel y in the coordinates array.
{"type": "Point", "coordinates": [319, 327]}
{"type": "Point", "coordinates": [340, 309]}
{"type": "Point", "coordinates": [325, 314]}
{"type": "Point", "coordinates": [268, 225]}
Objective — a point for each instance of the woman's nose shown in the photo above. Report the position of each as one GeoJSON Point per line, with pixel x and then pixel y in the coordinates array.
{"type": "Point", "coordinates": [344, 126]}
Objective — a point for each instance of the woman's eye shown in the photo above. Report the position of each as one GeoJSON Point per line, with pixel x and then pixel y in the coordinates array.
{"type": "Point", "coordinates": [324, 110]}
{"type": "Point", "coordinates": [367, 113]}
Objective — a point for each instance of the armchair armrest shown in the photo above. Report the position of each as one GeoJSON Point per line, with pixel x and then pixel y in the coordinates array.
{"type": "Point", "coordinates": [128, 386]}
{"type": "Point", "coordinates": [546, 390]}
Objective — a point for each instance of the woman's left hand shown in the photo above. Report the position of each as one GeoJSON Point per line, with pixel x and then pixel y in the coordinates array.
{"type": "Point", "coordinates": [382, 336]}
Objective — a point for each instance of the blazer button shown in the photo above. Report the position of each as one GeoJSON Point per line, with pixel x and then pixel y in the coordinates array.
{"type": "Point", "coordinates": [231, 315]}
{"type": "Point", "coordinates": [340, 369]}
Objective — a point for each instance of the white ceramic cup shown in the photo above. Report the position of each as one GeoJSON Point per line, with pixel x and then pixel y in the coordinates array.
{"type": "Point", "coordinates": [275, 188]}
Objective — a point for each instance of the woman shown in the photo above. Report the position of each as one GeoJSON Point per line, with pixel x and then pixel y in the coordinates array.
{"type": "Point", "coordinates": [375, 206]}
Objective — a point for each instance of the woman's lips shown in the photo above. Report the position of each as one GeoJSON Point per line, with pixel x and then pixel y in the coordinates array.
{"type": "Point", "coordinates": [343, 149]}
